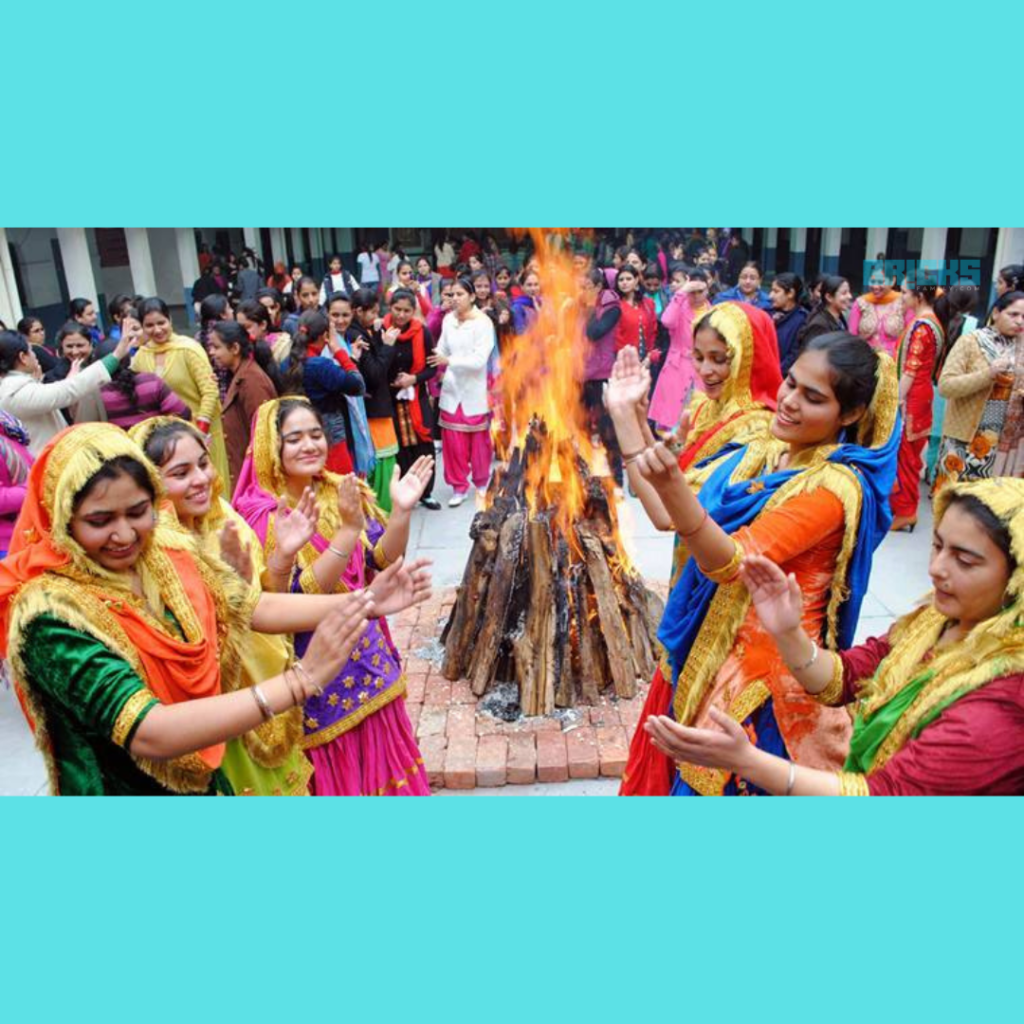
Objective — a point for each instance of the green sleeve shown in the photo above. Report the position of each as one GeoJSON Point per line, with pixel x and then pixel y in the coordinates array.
{"type": "Point", "coordinates": [111, 363]}
{"type": "Point", "coordinates": [93, 686]}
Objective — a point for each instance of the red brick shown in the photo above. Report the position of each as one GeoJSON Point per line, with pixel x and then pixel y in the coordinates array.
{"type": "Point", "coordinates": [461, 720]}
{"type": "Point", "coordinates": [491, 761]}
{"type": "Point", "coordinates": [603, 716]}
{"type": "Point", "coordinates": [612, 750]}
{"type": "Point", "coordinates": [460, 762]}
{"type": "Point", "coordinates": [415, 687]}
{"type": "Point", "coordinates": [488, 726]}
{"type": "Point", "coordinates": [433, 750]}
{"type": "Point", "coordinates": [433, 721]}
{"type": "Point", "coordinates": [581, 746]}
{"type": "Point", "coordinates": [439, 691]}
{"type": "Point", "coordinates": [552, 759]}
{"type": "Point", "coordinates": [402, 635]}
{"type": "Point", "coordinates": [462, 693]}
{"type": "Point", "coordinates": [521, 769]}
{"type": "Point", "coordinates": [536, 724]}
{"type": "Point", "coordinates": [630, 710]}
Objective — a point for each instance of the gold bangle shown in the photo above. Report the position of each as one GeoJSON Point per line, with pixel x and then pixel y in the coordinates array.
{"type": "Point", "coordinates": [853, 784]}
{"type": "Point", "coordinates": [832, 695]}
{"type": "Point", "coordinates": [728, 572]}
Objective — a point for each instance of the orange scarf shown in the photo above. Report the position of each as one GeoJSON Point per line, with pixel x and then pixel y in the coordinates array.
{"type": "Point", "coordinates": [174, 670]}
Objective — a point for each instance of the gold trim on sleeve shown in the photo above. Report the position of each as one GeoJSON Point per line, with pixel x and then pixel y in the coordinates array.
{"type": "Point", "coordinates": [853, 784]}
{"type": "Point", "coordinates": [136, 705]}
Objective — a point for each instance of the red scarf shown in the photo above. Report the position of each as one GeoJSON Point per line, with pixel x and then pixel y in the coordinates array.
{"type": "Point", "coordinates": [414, 334]}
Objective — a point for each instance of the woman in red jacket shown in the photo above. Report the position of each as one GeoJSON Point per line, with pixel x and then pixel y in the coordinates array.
{"type": "Point", "coordinates": [638, 324]}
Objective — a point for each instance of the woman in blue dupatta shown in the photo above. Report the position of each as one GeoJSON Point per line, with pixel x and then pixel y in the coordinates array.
{"type": "Point", "coordinates": [813, 497]}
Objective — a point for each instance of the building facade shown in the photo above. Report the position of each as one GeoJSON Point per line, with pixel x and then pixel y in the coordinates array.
{"type": "Point", "coordinates": [44, 268]}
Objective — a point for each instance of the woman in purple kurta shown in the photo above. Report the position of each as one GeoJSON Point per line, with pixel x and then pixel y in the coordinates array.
{"type": "Point", "coordinates": [357, 734]}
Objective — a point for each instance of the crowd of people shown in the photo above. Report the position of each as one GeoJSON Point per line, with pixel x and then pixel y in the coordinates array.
{"type": "Point", "coordinates": [204, 534]}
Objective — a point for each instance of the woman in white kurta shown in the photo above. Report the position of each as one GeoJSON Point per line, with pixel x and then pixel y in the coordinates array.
{"type": "Point", "coordinates": [466, 350]}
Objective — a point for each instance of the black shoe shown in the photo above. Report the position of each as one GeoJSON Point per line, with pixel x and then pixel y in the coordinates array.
{"type": "Point", "coordinates": [432, 503]}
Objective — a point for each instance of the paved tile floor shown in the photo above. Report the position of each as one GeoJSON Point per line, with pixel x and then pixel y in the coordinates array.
{"type": "Point", "coordinates": [898, 580]}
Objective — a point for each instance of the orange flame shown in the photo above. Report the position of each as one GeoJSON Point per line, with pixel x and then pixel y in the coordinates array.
{"type": "Point", "coordinates": [541, 378]}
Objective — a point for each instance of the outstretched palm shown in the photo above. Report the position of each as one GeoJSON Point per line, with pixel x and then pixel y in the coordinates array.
{"type": "Point", "coordinates": [400, 586]}
{"type": "Point", "coordinates": [629, 382]}
{"type": "Point", "coordinates": [407, 490]}
{"type": "Point", "coordinates": [350, 503]}
{"type": "Point", "coordinates": [776, 596]}
{"type": "Point", "coordinates": [294, 527]}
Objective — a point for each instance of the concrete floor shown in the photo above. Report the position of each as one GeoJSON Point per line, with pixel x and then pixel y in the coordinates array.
{"type": "Point", "coordinates": [899, 579]}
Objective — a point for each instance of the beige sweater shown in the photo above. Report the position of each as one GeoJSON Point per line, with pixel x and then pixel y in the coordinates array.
{"type": "Point", "coordinates": [966, 383]}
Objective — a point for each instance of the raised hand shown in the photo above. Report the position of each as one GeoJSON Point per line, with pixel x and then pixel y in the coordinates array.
{"type": "Point", "coordinates": [657, 464]}
{"type": "Point", "coordinates": [350, 503]}
{"type": "Point", "coordinates": [294, 527]}
{"type": "Point", "coordinates": [401, 586]}
{"type": "Point", "coordinates": [629, 383]}
{"type": "Point", "coordinates": [776, 596]}
{"type": "Point", "coordinates": [407, 490]}
{"type": "Point", "coordinates": [235, 551]}
{"type": "Point", "coordinates": [336, 637]}
{"type": "Point", "coordinates": [728, 746]}
{"type": "Point", "coordinates": [680, 437]}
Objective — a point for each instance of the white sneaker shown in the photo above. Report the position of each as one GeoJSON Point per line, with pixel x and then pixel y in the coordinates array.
{"type": "Point", "coordinates": [456, 500]}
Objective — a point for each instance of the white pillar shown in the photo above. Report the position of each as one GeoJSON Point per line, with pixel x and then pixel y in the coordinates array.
{"type": "Point", "coordinates": [878, 239]}
{"type": "Point", "coordinates": [279, 247]}
{"type": "Point", "coordinates": [747, 234]}
{"type": "Point", "coordinates": [188, 262]}
{"type": "Point", "coordinates": [74, 253]}
{"type": "Point", "coordinates": [140, 259]}
{"type": "Point", "coordinates": [831, 242]}
{"type": "Point", "coordinates": [10, 301]}
{"type": "Point", "coordinates": [298, 245]}
{"type": "Point", "coordinates": [771, 243]}
{"type": "Point", "coordinates": [933, 246]}
{"type": "Point", "coordinates": [316, 257]}
{"type": "Point", "coordinates": [251, 237]}
{"type": "Point", "coordinates": [798, 250]}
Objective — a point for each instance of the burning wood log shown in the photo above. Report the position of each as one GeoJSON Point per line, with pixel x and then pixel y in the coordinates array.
{"type": "Point", "coordinates": [548, 596]}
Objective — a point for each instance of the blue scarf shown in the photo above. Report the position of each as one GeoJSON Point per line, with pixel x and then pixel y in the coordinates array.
{"type": "Point", "coordinates": [365, 455]}
{"type": "Point", "coordinates": [732, 506]}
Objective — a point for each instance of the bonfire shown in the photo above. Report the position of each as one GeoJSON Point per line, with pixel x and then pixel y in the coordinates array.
{"type": "Point", "coordinates": [549, 598]}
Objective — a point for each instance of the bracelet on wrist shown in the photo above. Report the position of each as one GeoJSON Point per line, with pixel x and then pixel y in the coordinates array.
{"type": "Point", "coordinates": [261, 703]}
{"type": "Point", "coordinates": [810, 661]}
{"type": "Point", "coordinates": [302, 671]}
{"type": "Point", "coordinates": [338, 553]}
{"type": "Point", "coordinates": [697, 528]}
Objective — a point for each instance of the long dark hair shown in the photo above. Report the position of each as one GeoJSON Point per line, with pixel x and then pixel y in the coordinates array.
{"type": "Point", "coordinates": [853, 365]}
{"type": "Point", "coordinates": [232, 334]}
{"type": "Point", "coordinates": [313, 325]}
{"type": "Point", "coordinates": [125, 380]}
{"type": "Point", "coordinates": [12, 346]}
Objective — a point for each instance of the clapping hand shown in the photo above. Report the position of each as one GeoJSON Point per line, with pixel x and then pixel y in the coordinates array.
{"type": "Point", "coordinates": [335, 638]}
{"type": "Point", "coordinates": [407, 490]}
{"type": "Point", "coordinates": [401, 586]}
{"type": "Point", "coordinates": [350, 504]}
{"type": "Point", "coordinates": [294, 527]}
{"type": "Point", "coordinates": [728, 746]}
{"type": "Point", "coordinates": [776, 597]}
{"type": "Point", "coordinates": [629, 383]}
{"type": "Point", "coordinates": [235, 551]}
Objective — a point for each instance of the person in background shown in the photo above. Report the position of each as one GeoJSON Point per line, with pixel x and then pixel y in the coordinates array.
{"type": "Point", "coordinates": [962, 300]}
{"type": "Point", "coordinates": [295, 276]}
{"type": "Point", "coordinates": [84, 313]}
{"type": "Point", "coordinates": [983, 384]}
{"type": "Point", "coordinates": [829, 315]}
{"type": "Point", "coordinates": [465, 348]}
{"type": "Point", "coordinates": [212, 310]}
{"type": "Point", "coordinates": [211, 282]}
{"type": "Point", "coordinates": [654, 287]}
{"type": "Point", "coordinates": [279, 278]}
{"type": "Point", "coordinates": [675, 384]}
{"type": "Point", "coordinates": [37, 405]}
{"type": "Point", "coordinates": [337, 279]}
{"type": "Point", "coordinates": [428, 282]}
{"type": "Point", "coordinates": [31, 328]}
{"type": "Point", "coordinates": [409, 373]}
{"type": "Point", "coordinates": [921, 342]}
{"type": "Point", "coordinates": [116, 308]}
{"type": "Point", "coordinates": [879, 315]}
{"type": "Point", "coordinates": [247, 282]}
{"type": "Point", "coordinates": [444, 253]}
{"type": "Point", "coordinates": [748, 288]}
{"type": "Point", "coordinates": [789, 315]}
{"type": "Point", "coordinates": [184, 365]}
{"type": "Point", "coordinates": [257, 320]}
{"type": "Point", "coordinates": [272, 301]}
{"type": "Point", "coordinates": [15, 462]}
{"type": "Point", "coordinates": [600, 316]}
{"type": "Point", "coordinates": [325, 380]}
{"type": "Point", "coordinates": [638, 325]}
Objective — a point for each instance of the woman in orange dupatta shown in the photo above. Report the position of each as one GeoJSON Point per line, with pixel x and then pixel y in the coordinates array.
{"type": "Point", "coordinates": [124, 639]}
